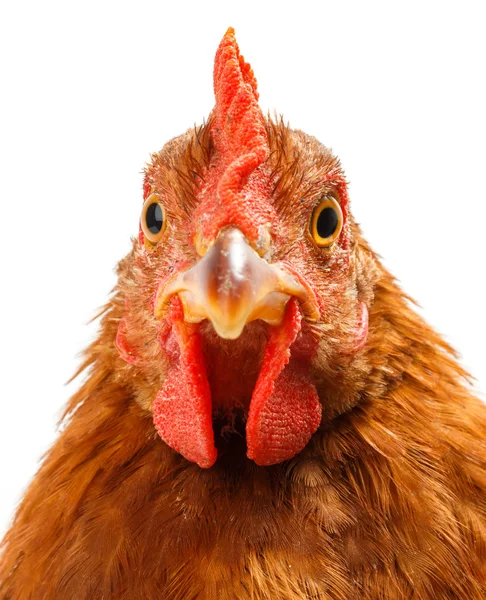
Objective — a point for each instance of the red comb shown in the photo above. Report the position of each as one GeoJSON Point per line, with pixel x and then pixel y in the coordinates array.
{"type": "Point", "coordinates": [238, 129]}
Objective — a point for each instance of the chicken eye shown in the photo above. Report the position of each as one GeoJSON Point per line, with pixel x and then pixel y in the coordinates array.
{"type": "Point", "coordinates": [153, 219]}
{"type": "Point", "coordinates": [326, 222]}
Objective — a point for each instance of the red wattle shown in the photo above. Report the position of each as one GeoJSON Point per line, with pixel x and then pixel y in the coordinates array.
{"type": "Point", "coordinates": [285, 410]}
{"type": "Point", "coordinates": [182, 410]}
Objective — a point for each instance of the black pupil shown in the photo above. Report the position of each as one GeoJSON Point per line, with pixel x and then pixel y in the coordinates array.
{"type": "Point", "coordinates": [154, 218]}
{"type": "Point", "coordinates": [327, 222]}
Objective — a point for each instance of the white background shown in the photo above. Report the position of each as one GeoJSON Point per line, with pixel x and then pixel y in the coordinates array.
{"type": "Point", "coordinates": [90, 89]}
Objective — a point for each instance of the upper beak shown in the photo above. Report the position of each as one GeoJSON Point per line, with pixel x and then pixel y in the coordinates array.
{"type": "Point", "coordinates": [232, 285]}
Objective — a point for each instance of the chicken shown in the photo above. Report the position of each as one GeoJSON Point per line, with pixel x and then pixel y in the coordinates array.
{"type": "Point", "coordinates": [265, 416]}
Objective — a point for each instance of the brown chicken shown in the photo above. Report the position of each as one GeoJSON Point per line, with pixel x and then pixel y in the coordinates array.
{"type": "Point", "coordinates": [265, 415]}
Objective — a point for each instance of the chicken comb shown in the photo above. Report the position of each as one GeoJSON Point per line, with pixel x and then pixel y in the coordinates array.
{"type": "Point", "coordinates": [238, 129]}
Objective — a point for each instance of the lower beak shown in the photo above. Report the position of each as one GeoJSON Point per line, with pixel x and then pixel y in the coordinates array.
{"type": "Point", "coordinates": [232, 285]}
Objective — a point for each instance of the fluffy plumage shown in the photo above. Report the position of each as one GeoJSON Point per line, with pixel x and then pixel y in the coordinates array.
{"type": "Point", "coordinates": [388, 499]}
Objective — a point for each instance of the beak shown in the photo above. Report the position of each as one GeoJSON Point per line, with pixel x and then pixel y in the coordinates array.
{"type": "Point", "coordinates": [232, 285]}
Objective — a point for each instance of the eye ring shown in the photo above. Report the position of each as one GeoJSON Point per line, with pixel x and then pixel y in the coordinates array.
{"type": "Point", "coordinates": [326, 222]}
{"type": "Point", "coordinates": [153, 220]}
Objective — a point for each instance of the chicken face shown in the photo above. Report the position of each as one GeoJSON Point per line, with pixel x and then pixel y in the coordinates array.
{"type": "Point", "coordinates": [246, 280]}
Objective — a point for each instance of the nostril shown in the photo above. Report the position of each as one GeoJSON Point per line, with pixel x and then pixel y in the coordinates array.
{"type": "Point", "coordinates": [201, 245]}
{"type": "Point", "coordinates": [264, 241]}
